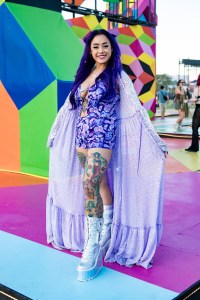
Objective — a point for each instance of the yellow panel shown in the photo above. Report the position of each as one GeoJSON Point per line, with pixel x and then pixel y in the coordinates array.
{"type": "Point", "coordinates": [146, 58]}
{"type": "Point", "coordinates": [137, 30]}
{"type": "Point", "coordinates": [153, 88]}
{"type": "Point", "coordinates": [127, 59]}
{"type": "Point", "coordinates": [1, 1]}
{"type": "Point", "coordinates": [190, 160]}
{"type": "Point", "coordinates": [153, 67]}
{"type": "Point", "coordinates": [91, 21]}
{"type": "Point", "coordinates": [147, 97]}
{"type": "Point", "coordinates": [104, 23]}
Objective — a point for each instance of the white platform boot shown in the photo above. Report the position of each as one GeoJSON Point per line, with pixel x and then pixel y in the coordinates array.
{"type": "Point", "coordinates": [91, 261]}
{"type": "Point", "coordinates": [106, 230]}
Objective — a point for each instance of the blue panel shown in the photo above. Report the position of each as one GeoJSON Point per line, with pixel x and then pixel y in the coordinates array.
{"type": "Point", "coordinates": [40, 272]}
{"type": "Point", "coordinates": [23, 71]}
{"type": "Point", "coordinates": [142, 18]}
{"type": "Point", "coordinates": [64, 87]}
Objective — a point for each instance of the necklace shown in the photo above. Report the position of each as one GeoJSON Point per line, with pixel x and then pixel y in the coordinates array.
{"type": "Point", "coordinates": [84, 105]}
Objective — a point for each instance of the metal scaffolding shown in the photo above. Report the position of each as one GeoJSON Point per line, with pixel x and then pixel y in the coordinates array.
{"type": "Point", "coordinates": [124, 12]}
{"type": "Point", "coordinates": [189, 65]}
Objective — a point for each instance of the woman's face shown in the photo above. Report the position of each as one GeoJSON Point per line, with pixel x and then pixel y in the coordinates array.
{"type": "Point", "coordinates": [181, 83]}
{"type": "Point", "coordinates": [101, 49]}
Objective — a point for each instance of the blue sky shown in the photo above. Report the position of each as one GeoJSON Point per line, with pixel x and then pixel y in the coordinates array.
{"type": "Point", "coordinates": [177, 35]}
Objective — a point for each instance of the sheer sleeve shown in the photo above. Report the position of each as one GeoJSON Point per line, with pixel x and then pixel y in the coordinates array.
{"type": "Point", "coordinates": [130, 104]}
{"type": "Point", "coordinates": [58, 121]}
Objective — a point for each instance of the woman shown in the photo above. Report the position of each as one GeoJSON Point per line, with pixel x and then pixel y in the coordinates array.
{"type": "Point", "coordinates": [179, 104]}
{"type": "Point", "coordinates": [195, 119]}
{"type": "Point", "coordinates": [103, 124]}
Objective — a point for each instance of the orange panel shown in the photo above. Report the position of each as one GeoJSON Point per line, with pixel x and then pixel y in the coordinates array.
{"type": "Point", "coordinates": [15, 179]}
{"type": "Point", "coordinates": [76, 2]}
{"type": "Point", "coordinates": [9, 132]}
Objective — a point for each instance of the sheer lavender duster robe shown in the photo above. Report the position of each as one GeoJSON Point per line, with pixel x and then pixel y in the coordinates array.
{"type": "Point", "coordinates": [135, 176]}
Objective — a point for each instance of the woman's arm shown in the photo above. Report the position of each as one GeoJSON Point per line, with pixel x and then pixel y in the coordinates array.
{"type": "Point", "coordinates": [178, 91]}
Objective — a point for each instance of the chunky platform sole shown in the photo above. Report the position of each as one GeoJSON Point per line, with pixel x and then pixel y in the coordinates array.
{"type": "Point", "coordinates": [89, 274]}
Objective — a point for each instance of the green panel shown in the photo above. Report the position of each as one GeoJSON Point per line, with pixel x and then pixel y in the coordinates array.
{"type": "Point", "coordinates": [80, 32]}
{"type": "Point", "coordinates": [151, 114]}
{"type": "Point", "coordinates": [36, 119]}
{"type": "Point", "coordinates": [53, 37]}
{"type": "Point", "coordinates": [112, 1]}
{"type": "Point", "coordinates": [125, 39]}
{"type": "Point", "coordinates": [146, 39]}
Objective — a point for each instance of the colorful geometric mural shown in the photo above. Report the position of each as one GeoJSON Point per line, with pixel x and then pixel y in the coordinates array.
{"type": "Point", "coordinates": [39, 56]}
{"type": "Point", "coordinates": [36, 74]}
{"type": "Point", "coordinates": [142, 10]}
{"type": "Point", "coordinates": [137, 45]}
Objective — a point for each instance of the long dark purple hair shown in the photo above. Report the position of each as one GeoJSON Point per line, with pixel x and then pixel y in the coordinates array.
{"type": "Point", "coordinates": [109, 75]}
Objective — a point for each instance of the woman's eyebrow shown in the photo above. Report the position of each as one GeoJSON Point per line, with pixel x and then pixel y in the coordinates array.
{"type": "Point", "coordinates": [97, 44]}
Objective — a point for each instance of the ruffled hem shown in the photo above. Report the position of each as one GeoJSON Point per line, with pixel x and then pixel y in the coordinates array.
{"type": "Point", "coordinates": [64, 230]}
{"type": "Point", "coordinates": [133, 246]}
{"type": "Point", "coordinates": [128, 247]}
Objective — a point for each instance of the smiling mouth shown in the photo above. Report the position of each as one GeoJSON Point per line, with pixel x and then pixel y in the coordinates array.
{"type": "Point", "coordinates": [101, 56]}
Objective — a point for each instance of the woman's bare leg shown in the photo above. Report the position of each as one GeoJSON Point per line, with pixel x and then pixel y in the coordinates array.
{"type": "Point", "coordinates": [105, 191]}
{"type": "Point", "coordinates": [181, 116]}
{"type": "Point", "coordinates": [95, 167]}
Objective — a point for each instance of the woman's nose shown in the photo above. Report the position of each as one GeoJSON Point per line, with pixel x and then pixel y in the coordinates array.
{"type": "Point", "coordinates": [100, 49]}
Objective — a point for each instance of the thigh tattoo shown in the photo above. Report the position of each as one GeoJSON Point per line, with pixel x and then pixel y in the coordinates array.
{"type": "Point", "coordinates": [95, 167]}
{"type": "Point", "coordinates": [82, 158]}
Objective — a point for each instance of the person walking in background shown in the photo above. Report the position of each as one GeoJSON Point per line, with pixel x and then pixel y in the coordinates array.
{"type": "Point", "coordinates": [195, 119]}
{"type": "Point", "coordinates": [179, 104]}
{"type": "Point", "coordinates": [163, 97]}
{"type": "Point", "coordinates": [187, 102]}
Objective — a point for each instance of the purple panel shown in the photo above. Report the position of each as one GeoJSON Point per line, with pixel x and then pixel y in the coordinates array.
{"type": "Point", "coordinates": [136, 47]}
{"type": "Point", "coordinates": [147, 49]}
{"type": "Point", "coordinates": [153, 48]}
{"type": "Point", "coordinates": [136, 66]}
{"type": "Point", "coordinates": [125, 49]}
{"type": "Point", "coordinates": [22, 211]}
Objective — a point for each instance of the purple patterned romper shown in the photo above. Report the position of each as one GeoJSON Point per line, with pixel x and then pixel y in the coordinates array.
{"type": "Point", "coordinates": [98, 128]}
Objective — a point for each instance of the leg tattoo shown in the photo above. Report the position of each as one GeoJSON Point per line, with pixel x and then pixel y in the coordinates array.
{"type": "Point", "coordinates": [82, 158]}
{"type": "Point", "coordinates": [95, 167]}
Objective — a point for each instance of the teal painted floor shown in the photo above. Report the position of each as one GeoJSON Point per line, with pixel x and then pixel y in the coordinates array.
{"type": "Point", "coordinates": [43, 273]}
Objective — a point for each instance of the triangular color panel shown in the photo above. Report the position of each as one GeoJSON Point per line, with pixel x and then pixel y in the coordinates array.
{"type": "Point", "coordinates": [52, 36]}
{"type": "Point", "coordinates": [79, 22]}
{"type": "Point", "coordinates": [136, 48]}
{"type": "Point", "coordinates": [9, 132]}
{"type": "Point", "coordinates": [64, 87]}
{"type": "Point", "coordinates": [36, 119]}
{"type": "Point", "coordinates": [150, 32]}
{"type": "Point", "coordinates": [23, 71]}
